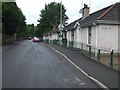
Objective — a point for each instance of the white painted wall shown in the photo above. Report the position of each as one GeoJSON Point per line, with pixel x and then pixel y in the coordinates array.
{"type": "Point", "coordinates": [54, 36]}
{"type": "Point", "coordinates": [119, 38]}
{"type": "Point", "coordinates": [77, 37]}
{"type": "Point", "coordinates": [93, 35]}
{"type": "Point", "coordinates": [108, 36]}
{"type": "Point", "coordinates": [69, 36]}
{"type": "Point", "coordinates": [84, 35]}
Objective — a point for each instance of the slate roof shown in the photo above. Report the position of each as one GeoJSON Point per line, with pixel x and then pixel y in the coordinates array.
{"type": "Point", "coordinates": [71, 25]}
{"type": "Point", "coordinates": [111, 13]}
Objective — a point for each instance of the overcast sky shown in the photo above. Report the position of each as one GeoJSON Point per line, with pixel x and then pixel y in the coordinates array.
{"type": "Point", "coordinates": [31, 8]}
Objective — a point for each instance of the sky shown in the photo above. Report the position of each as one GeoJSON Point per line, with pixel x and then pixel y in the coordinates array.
{"type": "Point", "coordinates": [31, 8]}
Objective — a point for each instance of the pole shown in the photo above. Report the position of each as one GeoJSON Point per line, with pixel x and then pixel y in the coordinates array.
{"type": "Point", "coordinates": [99, 55]}
{"type": "Point", "coordinates": [111, 58]}
{"type": "Point", "coordinates": [61, 13]}
{"type": "Point", "coordinates": [61, 24]}
{"type": "Point", "coordinates": [89, 52]}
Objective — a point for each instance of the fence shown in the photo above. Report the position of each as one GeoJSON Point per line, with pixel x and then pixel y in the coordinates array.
{"type": "Point", "coordinates": [106, 56]}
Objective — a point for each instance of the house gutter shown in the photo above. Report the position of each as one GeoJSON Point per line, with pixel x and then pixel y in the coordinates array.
{"type": "Point", "coordinates": [108, 22]}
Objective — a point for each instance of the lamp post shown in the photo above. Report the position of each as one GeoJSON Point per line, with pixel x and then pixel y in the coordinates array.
{"type": "Point", "coordinates": [60, 27]}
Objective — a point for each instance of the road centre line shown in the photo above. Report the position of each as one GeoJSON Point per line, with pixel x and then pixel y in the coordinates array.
{"type": "Point", "coordinates": [101, 85]}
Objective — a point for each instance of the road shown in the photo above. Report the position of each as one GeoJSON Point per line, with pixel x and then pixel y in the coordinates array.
{"type": "Point", "coordinates": [34, 65]}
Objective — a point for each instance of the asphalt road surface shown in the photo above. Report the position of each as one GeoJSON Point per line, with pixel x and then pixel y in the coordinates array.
{"type": "Point", "coordinates": [33, 65]}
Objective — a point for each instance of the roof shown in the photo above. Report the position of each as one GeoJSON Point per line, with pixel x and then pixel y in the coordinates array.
{"type": "Point", "coordinates": [71, 25]}
{"type": "Point", "coordinates": [113, 13]}
{"type": "Point", "coordinates": [110, 13]}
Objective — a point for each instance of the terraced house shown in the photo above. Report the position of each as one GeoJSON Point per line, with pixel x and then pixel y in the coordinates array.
{"type": "Point", "coordinates": [99, 29]}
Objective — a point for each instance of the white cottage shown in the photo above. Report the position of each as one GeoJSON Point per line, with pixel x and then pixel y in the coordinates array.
{"type": "Point", "coordinates": [98, 29]}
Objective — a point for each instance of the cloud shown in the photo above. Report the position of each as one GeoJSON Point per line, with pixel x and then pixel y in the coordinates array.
{"type": "Point", "coordinates": [31, 8]}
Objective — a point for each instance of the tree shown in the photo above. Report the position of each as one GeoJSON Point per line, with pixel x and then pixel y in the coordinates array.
{"type": "Point", "coordinates": [12, 18]}
{"type": "Point", "coordinates": [30, 29]}
{"type": "Point", "coordinates": [50, 17]}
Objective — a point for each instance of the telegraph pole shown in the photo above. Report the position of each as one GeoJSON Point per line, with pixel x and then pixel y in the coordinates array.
{"type": "Point", "coordinates": [60, 27]}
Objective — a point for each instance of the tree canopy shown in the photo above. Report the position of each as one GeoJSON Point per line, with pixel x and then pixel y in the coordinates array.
{"type": "Point", "coordinates": [30, 29]}
{"type": "Point", "coordinates": [50, 17]}
{"type": "Point", "coordinates": [13, 19]}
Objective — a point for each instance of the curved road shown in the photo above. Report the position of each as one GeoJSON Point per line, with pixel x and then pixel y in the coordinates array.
{"type": "Point", "coordinates": [33, 65]}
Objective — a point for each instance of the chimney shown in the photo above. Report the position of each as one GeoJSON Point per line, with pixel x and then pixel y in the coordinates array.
{"type": "Point", "coordinates": [85, 11]}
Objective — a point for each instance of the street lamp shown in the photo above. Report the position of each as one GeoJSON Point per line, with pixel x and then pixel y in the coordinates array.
{"type": "Point", "coordinates": [60, 27]}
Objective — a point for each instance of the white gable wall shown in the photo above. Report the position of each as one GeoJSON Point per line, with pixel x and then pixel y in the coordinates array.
{"type": "Point", "coordinates": [108, 36]}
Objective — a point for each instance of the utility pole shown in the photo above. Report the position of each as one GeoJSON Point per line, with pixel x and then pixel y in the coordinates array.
{"type": "Point", "coordinates": [60, 27]}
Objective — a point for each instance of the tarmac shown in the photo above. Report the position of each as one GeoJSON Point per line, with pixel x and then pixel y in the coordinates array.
{"type": "Point", "coordinates": [106, 75]}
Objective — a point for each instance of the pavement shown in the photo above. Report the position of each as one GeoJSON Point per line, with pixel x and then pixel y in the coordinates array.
{"type": "Point", "coordinates": [102, 73]}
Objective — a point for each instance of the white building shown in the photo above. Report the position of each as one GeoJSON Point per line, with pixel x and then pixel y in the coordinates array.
{"type": "Point", "coordinates": [99, 29]}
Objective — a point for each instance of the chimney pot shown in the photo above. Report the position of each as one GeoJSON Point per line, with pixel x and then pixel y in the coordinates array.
{"type": "Point", "coordinates": [85, 11]}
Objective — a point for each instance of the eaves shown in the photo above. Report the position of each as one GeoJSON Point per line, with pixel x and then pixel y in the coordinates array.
{"type": "Point", "coordinates": [108, 22]}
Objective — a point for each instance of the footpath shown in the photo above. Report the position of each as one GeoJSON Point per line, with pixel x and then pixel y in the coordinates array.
{"type": "Point", "coordinates": [106, 75]}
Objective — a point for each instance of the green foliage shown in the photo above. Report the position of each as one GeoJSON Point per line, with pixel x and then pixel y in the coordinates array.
{"type": "Point", "coordinates": [13, 19]}
{"type": "Point", "coordinates": [30, 29]}
{"type": "Point", "coordinates": [50, 17]}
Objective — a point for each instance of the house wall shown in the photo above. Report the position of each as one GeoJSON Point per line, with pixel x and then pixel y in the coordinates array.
{"type": "Point", "coordinates": [77, 37]}
{"type": "Point", "coordinates": [93, 35]}
{"type": "Point", "coordinates": [119, 38]}
{"type": "Point", "coordinates": [54, 36]}
{"type": "Point", "coordinates": [84, 35]}
{"type": "Point", "coordinates": [69, 36]}
{"type": "Point", "coordinates": [108, 36]}
{"type": "Point", "coordinates": [44, 37]}
{"type": "Point", "coordinates": [104, 36]}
